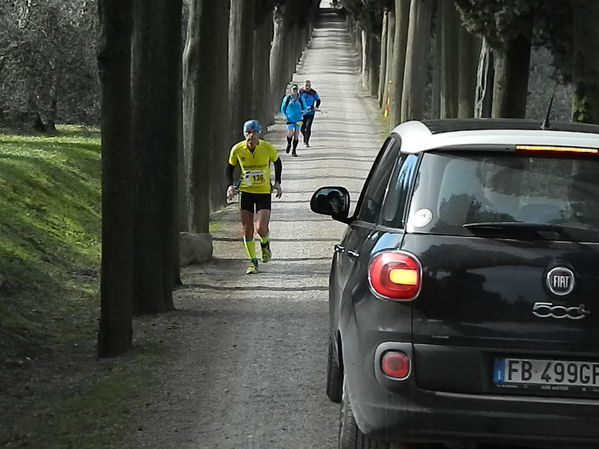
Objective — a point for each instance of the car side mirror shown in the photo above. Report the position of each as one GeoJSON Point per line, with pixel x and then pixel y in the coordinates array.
{"type": "Point", "coordinates": [333, 201]}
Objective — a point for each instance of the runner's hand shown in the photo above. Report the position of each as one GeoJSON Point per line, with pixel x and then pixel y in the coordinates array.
{"type": "Point", "coordinates": [231, 192]}
{"type": "Point", "coordinates": [277, 187]}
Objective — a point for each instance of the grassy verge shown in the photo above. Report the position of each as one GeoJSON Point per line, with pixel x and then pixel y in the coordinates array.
{"type": "Point", "coordinates": [58, 394]}
{"type": "Point", "coordinates": [49, 235]}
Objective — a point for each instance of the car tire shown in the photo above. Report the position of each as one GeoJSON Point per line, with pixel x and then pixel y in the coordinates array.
{"type": "Point", "coordinates": [334, 376]}
{"type": "Point", "coordinates": [350, 436]}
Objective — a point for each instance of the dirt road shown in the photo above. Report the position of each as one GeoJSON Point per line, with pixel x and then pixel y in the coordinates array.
{"type": "Point", "coordinates": [249, 369]}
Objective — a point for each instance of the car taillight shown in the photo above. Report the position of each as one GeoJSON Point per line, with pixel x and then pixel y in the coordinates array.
{"type": "Point", "coordinates": [395, 275]}
{"type": "Point", "coordinates": [395, 364]}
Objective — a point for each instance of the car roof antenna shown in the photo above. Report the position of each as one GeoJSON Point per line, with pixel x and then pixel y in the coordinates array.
{"type": "Point", "coordinates": [546, 124]}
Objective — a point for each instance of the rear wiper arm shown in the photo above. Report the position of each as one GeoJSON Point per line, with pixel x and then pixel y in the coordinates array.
{"type": "Point", "coordinates": [516, 226]}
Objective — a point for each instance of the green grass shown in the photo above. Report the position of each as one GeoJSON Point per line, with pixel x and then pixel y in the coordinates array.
{"type": "Point", "coordinates": [59, 395]}
{"type": "Point", "coordinates": [50, 228]}
{"type": "Point", "coordinates": [99, 415]}
{"type": "Point", "coordinates": [49, 232]}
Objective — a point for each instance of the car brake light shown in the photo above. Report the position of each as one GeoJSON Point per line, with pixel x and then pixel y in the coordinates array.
{"type": "Point", "coordinates": [395, 275]}
{"type": "Point", "coordinates": [545, 149]}
{"type": "Point", "coordinates": [395, 364]}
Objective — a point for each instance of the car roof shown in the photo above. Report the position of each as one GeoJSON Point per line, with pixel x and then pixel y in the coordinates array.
{"type": "Point", "coordinates": [419, 136]}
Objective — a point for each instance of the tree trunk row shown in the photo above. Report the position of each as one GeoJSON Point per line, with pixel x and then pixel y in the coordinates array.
{"type": "Point", "coordinates": [429, 66]}
{"type": "Point", "coordinates": [169, 117]}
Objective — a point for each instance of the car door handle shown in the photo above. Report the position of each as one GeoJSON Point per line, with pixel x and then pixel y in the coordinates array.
{"type": "Point", "coordinates": [353, 254]}
{"type": "Point", "coordinates": [339, 249]}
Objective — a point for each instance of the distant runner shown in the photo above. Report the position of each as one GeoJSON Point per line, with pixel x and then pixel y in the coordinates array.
{"type": "Point", "coordinates": [253, 156]}
{"type": "Point", "coordinates": [312, 102]}
{"type": "Point", "coordinates": [292, 107]}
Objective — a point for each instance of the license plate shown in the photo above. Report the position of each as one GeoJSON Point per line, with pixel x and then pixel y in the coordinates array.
{"type": "Point", "coordinates": [552, 374]}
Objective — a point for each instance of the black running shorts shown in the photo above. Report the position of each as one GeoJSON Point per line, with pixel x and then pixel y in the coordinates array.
{"type": "Point", "coordinates": [253, 202]}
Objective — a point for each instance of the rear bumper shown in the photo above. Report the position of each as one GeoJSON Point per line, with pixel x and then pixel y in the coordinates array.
{"type": "Point", "coordinates": [465, 418]}
{"type": "Point", "coordinates": [393, 410]}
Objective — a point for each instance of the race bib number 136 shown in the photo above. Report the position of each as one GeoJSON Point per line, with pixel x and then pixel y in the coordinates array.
{"type": "Point", "coordinates": [254, 177]}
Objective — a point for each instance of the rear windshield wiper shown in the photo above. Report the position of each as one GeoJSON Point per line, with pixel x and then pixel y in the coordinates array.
{"type": "Point", "coordinates": [537, 228]}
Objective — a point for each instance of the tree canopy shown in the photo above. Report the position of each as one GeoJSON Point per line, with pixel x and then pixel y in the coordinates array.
{"type": "Point", "coordinates": [48, 61]}
{"type": "Point", "coordinates": [547, 22]}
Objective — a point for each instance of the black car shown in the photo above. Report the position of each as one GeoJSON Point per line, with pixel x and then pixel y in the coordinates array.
{"type": "Point", "coordinates": [464, 294]}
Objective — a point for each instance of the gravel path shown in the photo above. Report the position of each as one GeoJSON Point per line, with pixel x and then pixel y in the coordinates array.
{"type": "Point", "coordinates": [248, 369]}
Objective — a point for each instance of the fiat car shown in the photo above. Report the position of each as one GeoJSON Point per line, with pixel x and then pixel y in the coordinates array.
{"type": "Point", "coordinates": [463, 296]}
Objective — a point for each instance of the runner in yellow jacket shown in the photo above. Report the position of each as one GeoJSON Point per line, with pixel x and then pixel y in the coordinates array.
{"type": "Point", "coordinates": [253, 156]}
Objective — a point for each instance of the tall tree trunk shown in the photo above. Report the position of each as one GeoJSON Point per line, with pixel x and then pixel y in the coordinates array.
{"type": "Point", "coordinates": [221, 141]}
{"type": "Point", "coordinates": [261, 76]}
{"type": "Point", "coordinates": [389, 67]}
{"type": "Point", "coordinates": [437, 64]}
{"type": "Point", "coordinates": [116, 284]}
{"type": "Point", "coordinates": [156, 90]}
{"type": "Point", "coordinates": [364, 55]}
{"type": "Point", "coordinates": [412, 102]}
{"type": "Point", "coordinates": [203, 126]}
{"type": "Point", "coordinates": [402, 20]}
{"type": "Point", "coordinates": [484, 82]}
{"type": "Point", "coordinates": [383, 52]}
{"type": "Point", "coordinates": [511, 78]}
{"type": "Point", "coordinates": [277, 56]}
{"type": "Point", "coordinates": [356, 31]}
{"type": "Point", "coordinates": [449, 56]}
{"type": "Point", "coordinates": [585, 78]}
{"type": "Point", "coordinates": [207, 137]}
{"type": "Point", "coordinates": [53, 107]}
{"type": "Point", "coordinates": [468, 59]}
{"type": "Point", "coordinates": [176, 109]}
{"type": "Point", "coordinates": [291, 53]}
{"type": "Point", "coordinates": [241, 44]}
{"type": "Point", "coordinates": [183, 163]}
{"type": "Point", "coordinates": [373, 63]}
{"type": "Point", "coordinates": [192, 101]}
{"type": "Point", "coordinates": [198, 74]}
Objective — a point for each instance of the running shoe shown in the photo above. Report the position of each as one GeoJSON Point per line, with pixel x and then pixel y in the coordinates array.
{"type": "Point", "coordinates": [266, 252]}
{"type": "Point", "coordinates": [252, 268]}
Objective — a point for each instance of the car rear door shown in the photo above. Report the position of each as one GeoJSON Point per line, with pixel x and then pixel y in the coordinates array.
{"type": "Point", "coordinates": [350, 257]}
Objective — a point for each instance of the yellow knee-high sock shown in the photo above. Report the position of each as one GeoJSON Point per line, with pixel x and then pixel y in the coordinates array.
{"type": "Point", "coordinates": [250, 248]}
{"type": "Point", "coordinates": [265, 239]}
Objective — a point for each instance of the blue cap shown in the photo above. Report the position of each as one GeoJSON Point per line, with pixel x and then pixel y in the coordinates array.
{"type": "Point", "coordinates": [252, 125]}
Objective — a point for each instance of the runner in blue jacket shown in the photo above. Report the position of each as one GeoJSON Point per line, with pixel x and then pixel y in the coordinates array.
{"type": "Point", "coordinates": [292, 107]}
{"type": "Point", "coordinates": [312, 101]}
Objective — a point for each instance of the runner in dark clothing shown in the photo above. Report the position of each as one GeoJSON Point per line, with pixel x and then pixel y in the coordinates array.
{"type": "Point", "coordinates": [312, 102]}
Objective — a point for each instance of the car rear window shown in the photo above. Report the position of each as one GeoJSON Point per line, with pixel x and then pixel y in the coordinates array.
{"type": "Point", "coordinates": [454, 189]}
